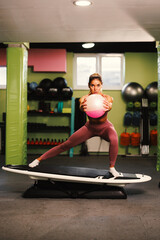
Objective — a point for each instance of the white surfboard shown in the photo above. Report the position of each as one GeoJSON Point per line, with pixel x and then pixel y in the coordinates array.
{"type": "Point", "coordinates": [79, 175]}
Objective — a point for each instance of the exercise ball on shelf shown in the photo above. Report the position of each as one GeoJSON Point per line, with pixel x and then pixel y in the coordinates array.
{"type": "Point", "coordinates": [30, 91]}
{"type": "Point", "coordinates": [132, 92]}
{"type": "Point", "coordinates": [59, 83]}
{"type": "Point", "coordinates": [66, 92]}
{"type": "Point", "coordinates": [39, 93]}
{"type": "Point", "coordinates": [53, 92]}
{"type": "Point", "coordinates": [151, 91]}
{"type": "Point", "coordinates": [45, 84]}
{"type": "Point", "coordinates": [33, 85]}
{"type": "Point", "coordinates": [95, 107]}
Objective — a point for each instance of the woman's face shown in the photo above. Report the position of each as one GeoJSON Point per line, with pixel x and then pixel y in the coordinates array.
{"type": "Point", "coordinates": [95, 86]}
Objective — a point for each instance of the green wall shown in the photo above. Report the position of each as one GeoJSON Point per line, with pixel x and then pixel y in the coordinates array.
{"type": "Point", "coordinates": [139, 67]}
{"type": "Point", "coordinates": [2, 102]}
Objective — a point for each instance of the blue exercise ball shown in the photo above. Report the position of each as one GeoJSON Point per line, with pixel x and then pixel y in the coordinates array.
{"type": "Point", "coordinates": [33, 85]}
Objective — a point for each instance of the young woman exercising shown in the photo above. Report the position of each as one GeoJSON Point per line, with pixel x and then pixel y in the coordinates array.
{"type": "Point", "coordinates": [93, 127]}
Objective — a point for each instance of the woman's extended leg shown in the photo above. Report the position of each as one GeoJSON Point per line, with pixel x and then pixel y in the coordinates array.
{"type": "Point", "coordinates": [76, 138]}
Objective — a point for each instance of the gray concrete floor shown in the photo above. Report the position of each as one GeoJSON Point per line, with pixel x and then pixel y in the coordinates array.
{"type": "Point", "coordinates": [134, 218]}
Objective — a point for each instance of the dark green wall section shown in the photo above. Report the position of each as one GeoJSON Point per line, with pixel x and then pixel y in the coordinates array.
{"type": "Point", "coordinates": [16, 121]}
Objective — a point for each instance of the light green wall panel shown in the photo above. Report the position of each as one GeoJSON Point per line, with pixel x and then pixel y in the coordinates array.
{"type": "Point", "coordinates": [16, 121]}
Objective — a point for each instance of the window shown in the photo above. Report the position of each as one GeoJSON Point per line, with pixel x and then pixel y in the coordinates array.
{"type": "Point", "coordinates": [3, 77]}
{"type": "Point", "coordinates": [110, 66]}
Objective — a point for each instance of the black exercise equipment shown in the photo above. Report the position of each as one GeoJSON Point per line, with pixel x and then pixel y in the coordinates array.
{"type": "Point", "coordinates": [128, 119]}
{"type": "Point", "coordinates": [132, 92]}
{"type": "Point", "coordinates": [145, 126]}
{"type": "Point", "coordinates": [59, 83]}
{"type": "Point", "coordinates": [45, 84]}
{"type": "Point", "coordinates": [39, 93]}
{"type": "Point", "coordinates": [151, 92]}
{"type": "Point", "coordinates": [53, 93]}
{"type": "Point", "coordinates": [50, 189]}
{"type": "Point", "coordinates": [136, 120]}
{"type": "Point", "coordinates": [66, 92]}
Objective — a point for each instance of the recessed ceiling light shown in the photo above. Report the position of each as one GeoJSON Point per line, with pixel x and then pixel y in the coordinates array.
{"type": "Point", "coordinates": [83, 3]}
{"type": "Point", "coordinates": [88, 45]}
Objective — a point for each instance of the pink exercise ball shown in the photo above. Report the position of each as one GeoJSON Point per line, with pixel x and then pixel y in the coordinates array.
{"type": "Point", "coordinates": [95, 107]}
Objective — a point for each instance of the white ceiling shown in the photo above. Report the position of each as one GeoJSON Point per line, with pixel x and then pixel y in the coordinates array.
{"type": "Point", "coordinates": [61, 21]}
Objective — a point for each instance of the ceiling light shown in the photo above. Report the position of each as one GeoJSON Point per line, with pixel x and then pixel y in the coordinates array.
{"type": "Point", "coordinates": [84, 3]}
{"type": "Point", "coordinates": [88, 45]}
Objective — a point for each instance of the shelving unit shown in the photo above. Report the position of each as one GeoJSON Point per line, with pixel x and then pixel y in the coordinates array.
{"type": "Point", "coordinates": [43, 128]}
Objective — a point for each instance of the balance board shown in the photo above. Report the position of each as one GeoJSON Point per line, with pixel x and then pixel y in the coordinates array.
{"type": "Point", "coordinates": [77, 175]}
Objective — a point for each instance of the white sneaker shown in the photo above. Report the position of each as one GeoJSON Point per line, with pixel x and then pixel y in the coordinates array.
{"type": "Point", "coordinates": [114, 172]}
{"type": "Point", "coordinates": [35, 163]}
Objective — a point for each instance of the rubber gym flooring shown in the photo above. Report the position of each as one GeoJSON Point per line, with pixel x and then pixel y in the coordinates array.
{"type": "Point", "coordinates": [134, 218]}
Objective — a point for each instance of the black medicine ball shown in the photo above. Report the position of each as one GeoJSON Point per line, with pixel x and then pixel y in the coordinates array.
{"type": "Point", "coordinates": [67, 92]}
{"type": "Point", "coordinates": [59, 83]}
{"type": "Point", "coordinates": [53, 92]}
{"type": "Point", "coordinates": [45, 84]}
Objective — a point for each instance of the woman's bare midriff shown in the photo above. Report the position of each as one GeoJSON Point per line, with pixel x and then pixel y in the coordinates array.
{"type": "Point", "coordinates": [98, 120]}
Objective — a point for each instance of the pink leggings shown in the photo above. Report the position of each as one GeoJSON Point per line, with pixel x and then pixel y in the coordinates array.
{"type": "Point", "coordinates": [105, 130]}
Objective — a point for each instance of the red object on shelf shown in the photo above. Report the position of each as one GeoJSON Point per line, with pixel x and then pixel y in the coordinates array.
{"type": "Point", "coordinates": [52, 142]}
{"type": "Point", "coordinates": [32, 141]}
{"type": "Point", "coordinates": [55, 142]}
{"type": "Point", "coordinates": [44, 142]}
{"type": "Point", "coordinates": [135, 139]}
{"type": "Point", "coordinates": [36, 142]}
{"type": "Point", "coordinates": [40, 142]}
{"type": "Point", "coordinates": [125, 139]}
{"type": "Point", "coordinates": [153, 137]}
{"type": "Point", "coordinates": [48, 142]}
{"type": "Point", "coordinates": [28, 142]}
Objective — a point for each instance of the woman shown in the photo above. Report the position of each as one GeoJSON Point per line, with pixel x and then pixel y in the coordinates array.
{"type": "Point", "coordinates": [94, 127]}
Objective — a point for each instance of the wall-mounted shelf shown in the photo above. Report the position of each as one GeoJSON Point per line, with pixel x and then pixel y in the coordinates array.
{"type": "Point", "coordinates": [49, 129]}
{"type": "Point", "coordinates": [36, 113]}
{"type": "Point", "coordinates": [43, 128]}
